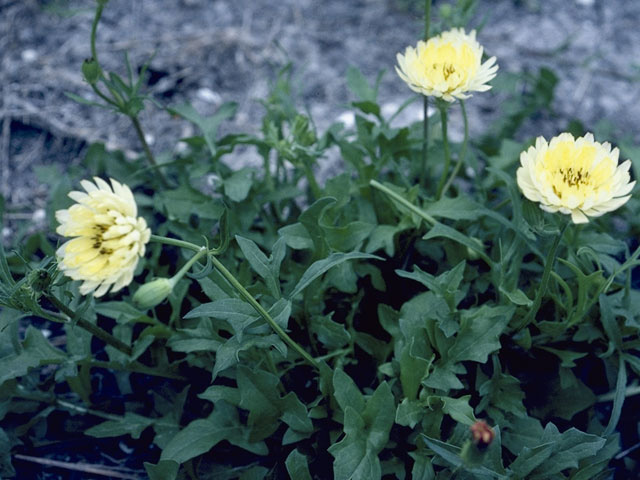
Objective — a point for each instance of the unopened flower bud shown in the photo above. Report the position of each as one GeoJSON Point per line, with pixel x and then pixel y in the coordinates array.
{"type": "Point", "coordinates": [153, 293]}
{"type": "Point", "coordinates": [482, 434]}
{"type": "Point", "coordinates": [91, 71]}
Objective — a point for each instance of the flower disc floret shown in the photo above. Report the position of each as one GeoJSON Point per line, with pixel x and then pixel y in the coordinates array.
{"type": "Point", "coordinates": [447, 66]}
{"type": "Point", "coordinates": [578, 177]}
{"type": "Point", "coordinates": [109, 238]}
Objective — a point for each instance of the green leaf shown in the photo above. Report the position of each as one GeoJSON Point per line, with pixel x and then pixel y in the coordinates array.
{"type": "Point", "coordinates": [35, 351]}
{"type": "Point", "coordinates": [296, 236]}
{"type": "Point", "coordinates": [531, 458]}
{"type": "Point", "coordinates": [295, 414]}
{"type": "Point", "coordinates": [346, 392]}
{"type": "Point", "coordinates": [381, 237]}
{"type": "Point", "coordinates": [359, 85]}
{"type": "Point", "coordinates": [517, 297]}
{"type": "Point", "coordinates": [163, 470]}
{"type": "Point", "coordinates": [331, 334]}
{"type": "Point", "coordinates": [445, 285]}
{"type": "Point", "coordinates": [618, 399]}
{"type": "Point", "coordinates": [202, 435]}
{"type": "Point", "coordinates": [6, 469]}
{"type": "Point", "coordinates": [297, 466]}
{"type": "Point", "coordinates": [180, 203]}
{"type": "Point", "coordinates": [353, 460]}
{"type": "Point", "coordinates": [449, 453]}
{"type": "Point", "coordinates": [441, 230]}
{"type": "Point", "coordinates": [237, 186]}
{"type": "Point", "coordinates": [567, 357]}
{"type": "Point", "coordinates": [208, 125]}
{"type": "Point", "coordinates": [413, 369]}
{"type": "Point", "coordinates": [379, 415]}
{"type": "Point", "coordinates": [259, 395]}
{"type": "Point", "coordinates": [267, 268]}
{"type": "Point", "coordinates": [348, 237]}
{"type": "Point", "coordinates": [228, 354]}
{"type": "Point", "coordinates": [310, 219]}
{"type": "Point", "coordinates": [321, 266]}
{"type": "Point", "coordinates": [609, 323]}
{"type": "Point", "coordinates": [409, 413]}
{"type": "Point", "coordinates": [131, 424]}
{"type": "Point", "coordinates": [457, 408]}
{"type": "Point", "coordinates": [237, 312]}
{"type": "Point", "coordinates": [569, 448]}
{"type": "Point", "coordinates": [479, 332]}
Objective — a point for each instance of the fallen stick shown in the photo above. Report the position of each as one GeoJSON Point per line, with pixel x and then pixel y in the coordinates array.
{"type": "Point", "coordinates": [79, 467]}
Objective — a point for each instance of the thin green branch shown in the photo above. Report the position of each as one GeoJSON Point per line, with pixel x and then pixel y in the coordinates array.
{"type": "Point", "coordinates": [463, 150]}
{"type": "Point", "coordinates": [546, 274]}
{"type": "Point", "coordinates": [245, 295]}
{"type": "Point", "coordinates": [425, 102]}
{"type": "Point", "coordinates": [398, 198]}
{"type": "Point", "coordinates": [90, 327]}
{"type": "Point", "coordinates": [263, 313]}
{"type": "Point", "coordinates": [445, 145]}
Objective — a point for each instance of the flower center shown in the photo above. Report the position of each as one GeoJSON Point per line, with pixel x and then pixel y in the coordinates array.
{"type": "Point", "coordinates": [447, 69]}
{"type": "Point", "coordinates": [574, 177]}
{"type": "Point", "coordinates": [97, 238]}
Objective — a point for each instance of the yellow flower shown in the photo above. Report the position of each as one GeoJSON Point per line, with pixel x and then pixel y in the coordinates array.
{"type": "Point", "coordinates": [109, 239]}
{"type": "Point", "coordinates": [579, 176]}
{"type": "Point", "coordinates": [447, 66]}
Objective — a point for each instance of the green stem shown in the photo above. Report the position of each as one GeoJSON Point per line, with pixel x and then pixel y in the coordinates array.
{"type": "Point", "coordinates": [425, 102]}
{"type": "Point", "coordinates": [175, 242]}
{"type": "Point", "coordinates": [315, 188]}
{"type": "Point", "coordinates": [94, 29]}
{"type": "Point", "coordinates": [398, 198]}
{"type": "Point", "coordinates": [263, 313]}
{"type": "Point", "coordinates": [427, 18]}
{"type": "Point", "coordinates": [630, 391]}
{"type": "Point", "coordinates": [425, 140]}
{"type": "Point", "coordinates": [136, 367]}
{"type": "Point", "coordinates": [463, 150]}
{"type": "Point", "coordinates": [90, 327]}
{"type": "Point", "coordinates": [244, 294]}
{"type": "Point", "coordinates": [44, 398]}
{"type": "Point", "coordinates": [145, 146]}
{"type": "Point", "coordinates": [445, 145]}
{"type": "Point", "coordinates": [185, 268]}
{"type": "Point", "coordinates": [546, 274]}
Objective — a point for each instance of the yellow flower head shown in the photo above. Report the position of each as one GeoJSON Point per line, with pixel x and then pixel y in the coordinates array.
{"type": "Point", "coordinates": [580, 177]}
{"type": "Point", "coordinates": [447, 66]}
{"type": "Point", "coordinates": [109, 239]}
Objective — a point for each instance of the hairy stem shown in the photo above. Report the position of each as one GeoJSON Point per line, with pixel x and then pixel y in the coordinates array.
{"type": "Point", "coordinates": [94, 330]}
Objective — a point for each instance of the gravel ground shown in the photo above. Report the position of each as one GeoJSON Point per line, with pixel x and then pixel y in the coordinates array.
{"type": "Point", "coordinates": [211, 51]}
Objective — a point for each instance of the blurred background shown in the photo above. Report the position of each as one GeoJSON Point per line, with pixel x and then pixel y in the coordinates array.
{"type": "Point", "coordinates": [574, 64]}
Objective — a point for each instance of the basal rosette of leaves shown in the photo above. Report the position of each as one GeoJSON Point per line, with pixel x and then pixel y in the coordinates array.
{"type": "Point", "coordinates": [363, 326]}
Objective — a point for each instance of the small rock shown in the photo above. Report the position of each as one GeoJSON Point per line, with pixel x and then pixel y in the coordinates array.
{"type": "Point", "coordinates": [29, 55]}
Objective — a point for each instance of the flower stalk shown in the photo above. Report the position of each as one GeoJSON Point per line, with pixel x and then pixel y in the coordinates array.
{"type": "Point", "coordinates": [546, 274]}
{"type": "Point", "coordinates": [425, 102]}
{"type": "Point", "coordinates": [244, 293]}
{"type": "Point", "coordinates": [94, 330]}
{"type": "Point", "coordinates": [444, 119]}
{"type": "Point", "coordinates": [463, 150]}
